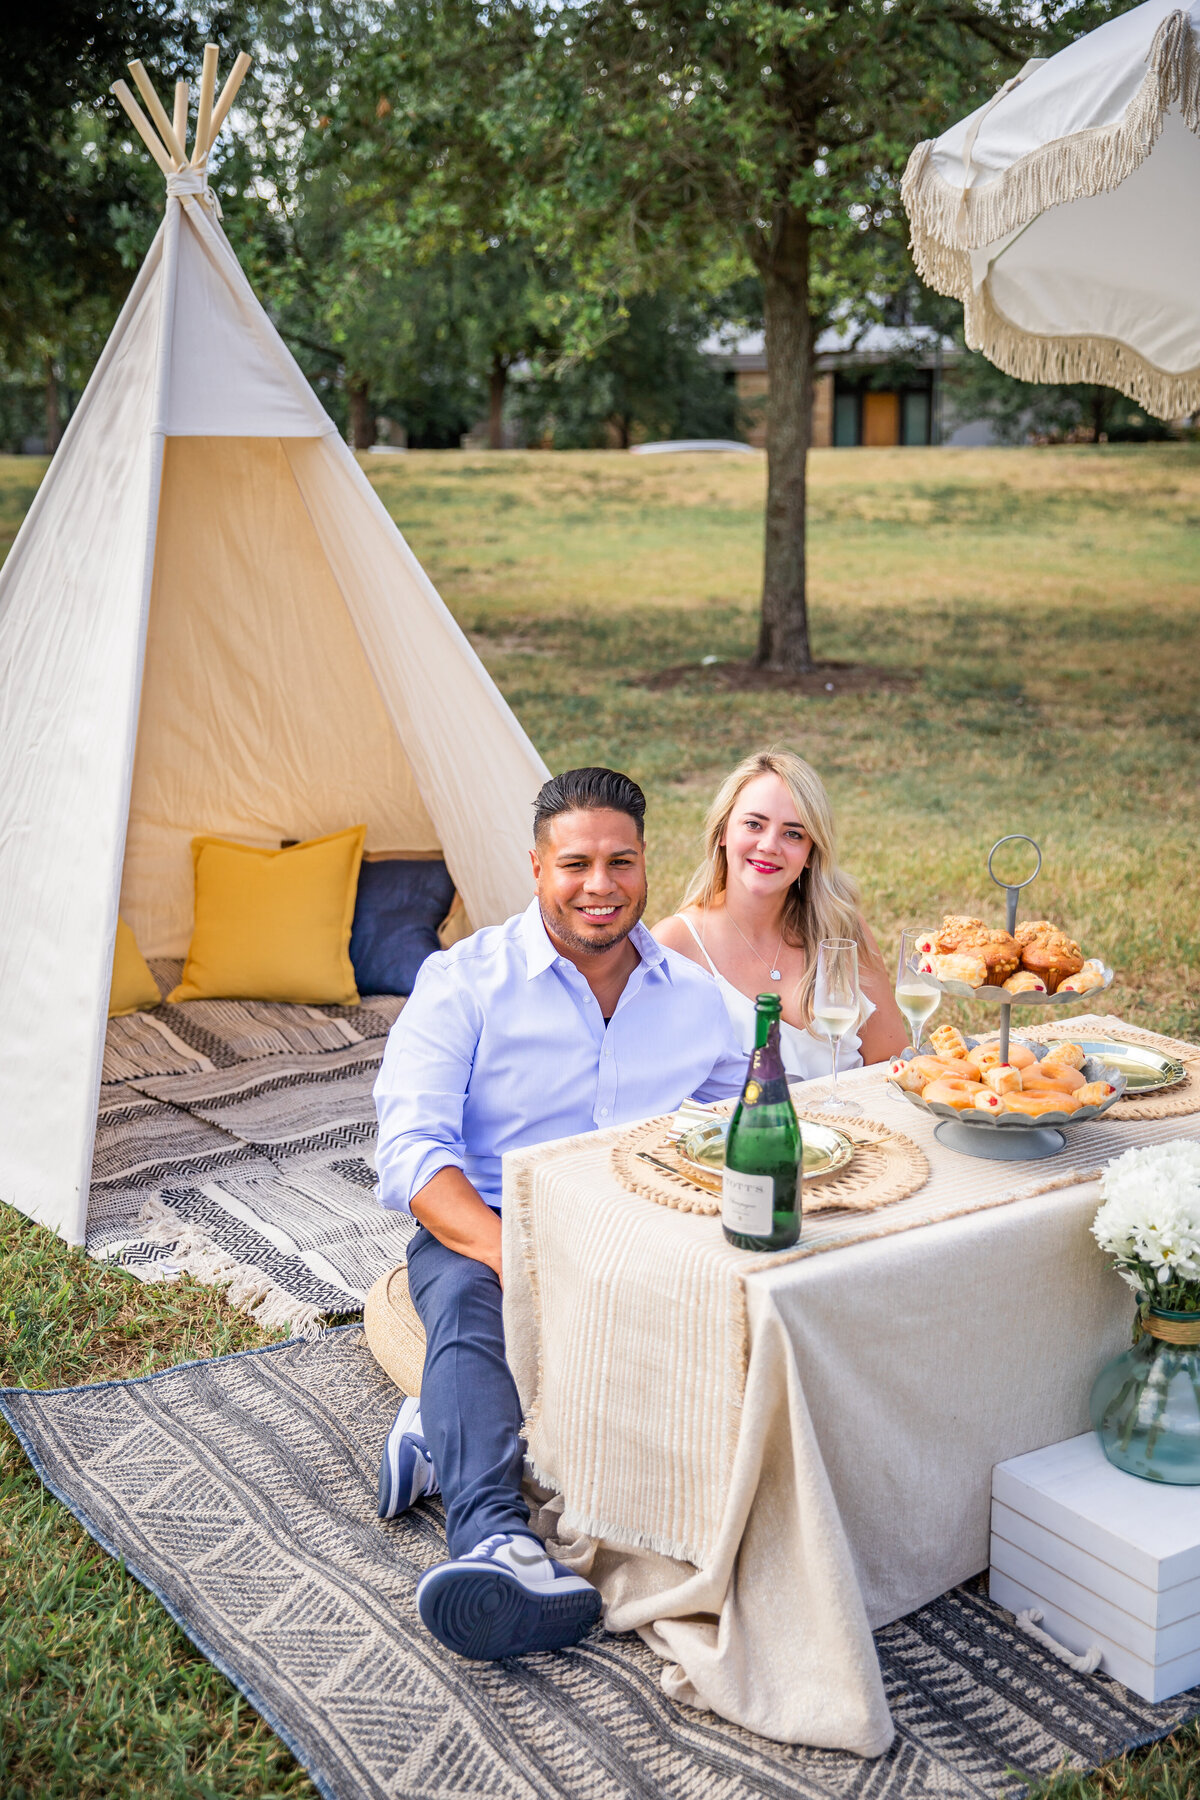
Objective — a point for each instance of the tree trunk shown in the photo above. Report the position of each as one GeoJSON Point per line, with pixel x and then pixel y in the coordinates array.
{"type": "Point", "coordinates": [362, 423]}
{"type": "Point", "coordinates": [1099, 412]}
{"type": "Point", "coordinates": [783, 265]}
{"type": "Point", "coordinates": [53, 414]}
{"type": "Point", "coordinates": [496, 386]}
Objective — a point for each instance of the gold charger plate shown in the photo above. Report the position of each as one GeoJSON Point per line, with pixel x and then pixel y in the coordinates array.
{"type": "Point", "coordinates": [701, 1150]}
{"type": "Point", "coordinates": [1146, 1071]}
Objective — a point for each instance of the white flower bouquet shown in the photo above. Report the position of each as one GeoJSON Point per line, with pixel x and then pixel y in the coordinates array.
{"type": "Point", "coordinates": [1150, 1222]}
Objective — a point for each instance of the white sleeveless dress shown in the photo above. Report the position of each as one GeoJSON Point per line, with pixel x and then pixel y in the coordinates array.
{"type": "Point", "coordinates": [805, 1055]}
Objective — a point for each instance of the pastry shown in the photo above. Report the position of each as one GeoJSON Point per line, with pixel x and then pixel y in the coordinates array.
{"type": "Point", "coordinates": [905, 1076]}
{"type": "Point", "coordinates": [1083, 982]}
{"type": "Point", "coordinates": [1058, 1076]}
{"type": "Point", "coordinates": [1048, 1100]}
{"type": "Point", "coordinates": [987, 1056]}
{"type": "Point", "coordinates": [1094, 1093]}
{"type": "Point", "coordinates": [1070, 1054]}
{"type": "Point", "coordinates": [952, 1092]}
{"type": "Point", "coordinates": [1003, 1079]}
{"type": "Point", "coordinates": [933, 1068]}
{"type": "Point", "coordinates": [1025, 982]}
{"type": "Point", "coordinates": [1048, 952]}
{"type": "Point", "coordinates": [988, 1102]}
{"type": "Point", "coordinates": [948, 1040]}
{"type": "Point", "coordinates": [1001, 953]}
{"type": "Point", "coordinates": [969, 968]}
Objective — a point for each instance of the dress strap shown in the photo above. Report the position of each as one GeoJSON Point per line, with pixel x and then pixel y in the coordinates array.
{"type": "Point", "coordinates": [704, 953]}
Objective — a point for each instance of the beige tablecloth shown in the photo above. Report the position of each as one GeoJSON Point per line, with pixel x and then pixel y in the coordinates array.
{"type": "Point", "coordinates": [758, 1461]}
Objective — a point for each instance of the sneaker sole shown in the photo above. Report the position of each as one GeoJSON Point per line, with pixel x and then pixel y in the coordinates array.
{"type": "Point", "coordinates": [390, 1505]}
{"type": "Point", "coordinates": [483, 1614]}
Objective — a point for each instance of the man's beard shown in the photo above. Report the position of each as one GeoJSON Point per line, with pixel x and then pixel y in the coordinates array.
{"type": "Point", "coordinates": [561, 927]}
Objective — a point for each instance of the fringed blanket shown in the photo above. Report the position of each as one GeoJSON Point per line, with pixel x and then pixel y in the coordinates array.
{"type": "Point", "coordinates": [235, 1142]}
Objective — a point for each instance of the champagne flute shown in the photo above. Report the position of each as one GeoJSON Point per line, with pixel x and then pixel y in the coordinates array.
{"type": "Point", "coordinates": [916, 994]}
{"type": "Point", "coordinates": [836, 1007]}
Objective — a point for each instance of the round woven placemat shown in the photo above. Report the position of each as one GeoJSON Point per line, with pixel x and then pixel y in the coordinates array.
{"type": "Point", "coordinates": [1173, 1103]}
{"type": "Point", "coordinates": [886, 1167]}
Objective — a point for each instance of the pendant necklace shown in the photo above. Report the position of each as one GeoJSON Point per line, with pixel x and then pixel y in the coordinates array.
{"type": "Point", "coordinates": [775, 974]}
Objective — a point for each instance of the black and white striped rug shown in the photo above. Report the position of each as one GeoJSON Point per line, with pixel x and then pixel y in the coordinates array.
{"type": "Point", "coordinates": [241, 1491]}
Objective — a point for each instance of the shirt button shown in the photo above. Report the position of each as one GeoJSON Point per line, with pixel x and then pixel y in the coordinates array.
{"type": "Point", "coordinates": [604, 1112]}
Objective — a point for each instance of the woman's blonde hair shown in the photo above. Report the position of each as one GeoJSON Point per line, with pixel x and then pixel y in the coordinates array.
{"type": "Point", "coordinates": [825, 901]}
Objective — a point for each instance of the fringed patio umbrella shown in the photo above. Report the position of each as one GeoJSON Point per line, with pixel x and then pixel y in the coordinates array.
{"type": "Point", "coordinates": [1065, 213]}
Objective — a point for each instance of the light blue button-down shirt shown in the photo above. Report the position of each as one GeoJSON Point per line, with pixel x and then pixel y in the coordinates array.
{"type": "Point", "coordinates": [503, 1045]}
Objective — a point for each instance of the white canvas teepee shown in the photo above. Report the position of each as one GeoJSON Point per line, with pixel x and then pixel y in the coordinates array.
{"type": "Point", "coordinates": [208, 623]}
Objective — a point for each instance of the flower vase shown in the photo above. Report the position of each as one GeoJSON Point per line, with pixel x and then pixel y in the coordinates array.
{"type": "Point", "coordinates": [1145, 1404]}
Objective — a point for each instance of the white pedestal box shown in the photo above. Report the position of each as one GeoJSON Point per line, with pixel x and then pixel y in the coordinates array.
{"type": "Point", "coordinates": [1107, 1558]}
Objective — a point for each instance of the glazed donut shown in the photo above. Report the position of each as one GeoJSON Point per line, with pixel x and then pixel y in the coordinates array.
{"type": "Point", "coordinates": [935, 1068]}
{"type": "Point", "coordinates": [1003, 1079]}
{"type": "Point", "coordinates": [1066, 1055]}
{"type": "Point", "coordinates": [1034, 1105]}
{"type": "Point", "coordinates": [1094, 1093]}
{"type": "Point", "coordinates": [988, 1056]}
{"type": "Point", "coordinates": [953, 1092]}
{"type": "Point", "coordinates": [1061, 1078]}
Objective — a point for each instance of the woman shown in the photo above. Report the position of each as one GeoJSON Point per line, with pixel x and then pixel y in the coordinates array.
{"type": "Point", "coordinates": [768, 891]}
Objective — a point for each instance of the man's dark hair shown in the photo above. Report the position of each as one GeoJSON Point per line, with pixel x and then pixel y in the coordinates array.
{"type": "Point", "coordinates": [588, 790]}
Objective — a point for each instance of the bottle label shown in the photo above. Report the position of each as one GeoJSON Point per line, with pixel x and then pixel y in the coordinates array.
{"type": "Point", "coordinates": [748, 1203]}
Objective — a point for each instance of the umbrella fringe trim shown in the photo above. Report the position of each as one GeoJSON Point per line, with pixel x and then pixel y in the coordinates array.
{"type": "Point", "coordinates": [947, 221]}
{"type": "Point", "coordinates": [1105, 361]}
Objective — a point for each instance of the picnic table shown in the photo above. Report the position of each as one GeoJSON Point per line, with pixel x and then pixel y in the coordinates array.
{"type": "Point", "coordinates": [759, 1460]}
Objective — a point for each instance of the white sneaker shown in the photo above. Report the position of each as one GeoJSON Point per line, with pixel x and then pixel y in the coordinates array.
{"type": "Point", "coordinates": [406, 1467]}
{"type": "Point", "coordinates": [505, 1598]}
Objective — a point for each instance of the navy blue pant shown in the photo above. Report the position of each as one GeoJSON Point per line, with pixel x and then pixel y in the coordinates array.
{"type": "Point", "coordinates": [469, 1407]}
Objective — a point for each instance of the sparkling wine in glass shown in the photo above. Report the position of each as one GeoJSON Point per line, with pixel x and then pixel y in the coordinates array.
{"type": "Point", "coordinates": [917, 995]}
{"type": "Point", "coordinates": [836, 1007]}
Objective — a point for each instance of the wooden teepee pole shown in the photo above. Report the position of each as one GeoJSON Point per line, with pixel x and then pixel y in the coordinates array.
{"type": "Point", "coordinates": [228, 95]}
{"type": "Point", "coordinates": [142, 125]}
{"type": "Point", "coordinates": [208, 82]}
{"type": "Point", "coordinates": [180, 121]}
{"type": "Point", "coordinates": [158, 113]}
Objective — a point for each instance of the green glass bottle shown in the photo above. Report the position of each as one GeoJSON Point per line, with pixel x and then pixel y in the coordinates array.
{"type": "Point", "coordinates": [760, 1189]}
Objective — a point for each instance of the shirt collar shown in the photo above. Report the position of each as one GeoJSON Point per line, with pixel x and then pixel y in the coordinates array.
{"type": "Point", "coordinates": [540, 952]}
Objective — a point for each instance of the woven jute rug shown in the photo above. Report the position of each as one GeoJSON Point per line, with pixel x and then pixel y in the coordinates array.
{"type": "Point", "coordinates": [886, 1166]}
{"type": "Point", "coordinates": [242, 1493]}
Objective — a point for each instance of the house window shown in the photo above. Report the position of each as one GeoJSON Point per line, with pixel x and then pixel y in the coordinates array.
{"type": "Point", "coordinates": [845, 421]}
{"type": "Point", "coordinates": [915, 419]}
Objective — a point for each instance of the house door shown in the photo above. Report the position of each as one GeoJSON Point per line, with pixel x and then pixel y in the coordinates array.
{"type": "Point", "coordinates": [881, 419]}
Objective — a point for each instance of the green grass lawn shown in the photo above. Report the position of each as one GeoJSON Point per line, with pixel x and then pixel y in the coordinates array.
{"type": "Point", "coordinates": [1047, 604]}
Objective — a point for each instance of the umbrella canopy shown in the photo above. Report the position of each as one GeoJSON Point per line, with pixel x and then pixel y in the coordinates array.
{"type": "Point", "coordinates": [1065, 213]}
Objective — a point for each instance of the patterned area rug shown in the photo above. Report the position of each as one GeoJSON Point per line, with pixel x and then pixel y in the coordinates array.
{"type": "Point", "coordinates": [242, 1493]}
{"type": "Point", "coordinates": [235, 1141]}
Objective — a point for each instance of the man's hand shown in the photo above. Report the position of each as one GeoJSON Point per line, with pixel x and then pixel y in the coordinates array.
{"type": "Point", "coordinates": [450, 1208]}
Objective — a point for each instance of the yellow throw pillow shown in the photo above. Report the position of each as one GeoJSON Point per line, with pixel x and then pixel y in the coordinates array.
{"type": "Point", "coordinates": [133, 988]}
{"type": "Point", "coordinates": [274, 924]}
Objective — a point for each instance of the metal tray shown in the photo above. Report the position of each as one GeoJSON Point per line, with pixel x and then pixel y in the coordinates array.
{"type": "Point", "coordinates": [701, 1150]}
{"type": "Point", "coordinates": [1146, 1071]}
{"type": "Point", "coordinates": [962, 990]}
{"type": "Point", "coordinates": [1094, 1069]}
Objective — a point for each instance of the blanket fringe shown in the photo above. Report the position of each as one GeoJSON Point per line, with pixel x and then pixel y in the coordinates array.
{"type": "Point", "coordinates": [196, 1254]}
{"type": "Point", "coordinates": [948, 221]}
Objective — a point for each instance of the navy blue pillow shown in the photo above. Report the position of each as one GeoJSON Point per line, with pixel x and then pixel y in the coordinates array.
{"type": "Point", "coordinates": [396, 917]}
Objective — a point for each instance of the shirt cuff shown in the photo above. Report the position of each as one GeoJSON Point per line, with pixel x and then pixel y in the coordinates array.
{"type": "Point", "coordinates": [396, 1192]}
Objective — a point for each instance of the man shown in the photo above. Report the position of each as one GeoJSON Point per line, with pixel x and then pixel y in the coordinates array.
{"type": "Point", "coordinates": [568, 1018]}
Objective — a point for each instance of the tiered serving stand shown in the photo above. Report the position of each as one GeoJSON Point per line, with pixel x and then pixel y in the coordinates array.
{"type": "Point", "coordinates": [1009, 1137]}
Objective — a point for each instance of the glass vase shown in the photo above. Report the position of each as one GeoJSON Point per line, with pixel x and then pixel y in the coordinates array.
{"type": "Point", "coordinates": [1145, 1404]}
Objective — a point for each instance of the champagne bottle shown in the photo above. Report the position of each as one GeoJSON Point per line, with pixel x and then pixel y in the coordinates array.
{"type": "Point", "coordinates": [760, 1189]}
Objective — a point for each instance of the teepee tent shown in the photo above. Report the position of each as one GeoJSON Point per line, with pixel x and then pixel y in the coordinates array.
{"type": "Point", "coordinates": [208, 623]}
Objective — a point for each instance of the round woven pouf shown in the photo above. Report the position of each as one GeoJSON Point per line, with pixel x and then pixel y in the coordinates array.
{"type": "Point", "coordinates": [395, 1335]}
{"type": "Point", "coordinates": [886, 1167]}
